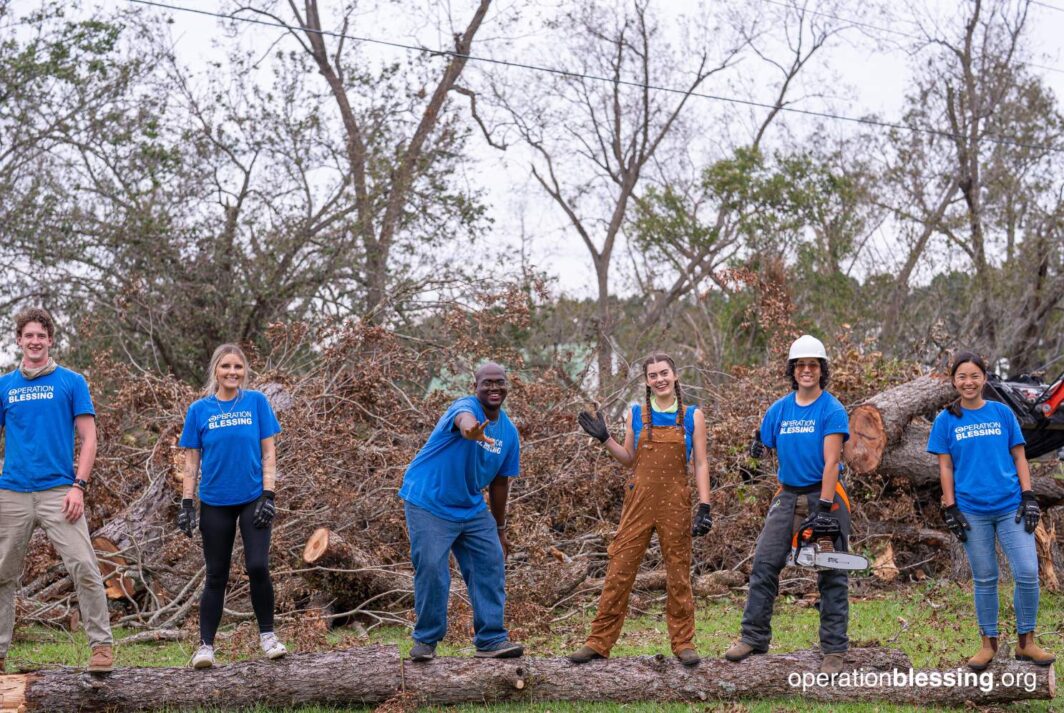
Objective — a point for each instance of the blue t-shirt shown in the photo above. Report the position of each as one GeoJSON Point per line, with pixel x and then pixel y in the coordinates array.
{"type": "Point", "coordinates": [978, 443]}
{"type": "Point", "coordinates": [797, 433]}
{"type": "Point", "coordinates": [38, 416]}
{"type": "Point", "coordinates": [448, 474]}
{"type": "Point", "coordinates": [665, 418]}
{"type": "Point", "coordinates": [229, 436]}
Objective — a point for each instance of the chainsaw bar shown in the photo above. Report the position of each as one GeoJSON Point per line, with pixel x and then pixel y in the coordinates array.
{"type": "Point", "coordinates": [812, 555]}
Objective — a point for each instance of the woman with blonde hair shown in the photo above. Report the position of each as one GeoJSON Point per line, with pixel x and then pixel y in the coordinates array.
{"type": "Point", "coordinates": [229, 439]}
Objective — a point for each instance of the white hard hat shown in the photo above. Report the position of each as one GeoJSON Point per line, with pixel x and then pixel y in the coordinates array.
{"type": "Point", "coordinates": [807, 346]}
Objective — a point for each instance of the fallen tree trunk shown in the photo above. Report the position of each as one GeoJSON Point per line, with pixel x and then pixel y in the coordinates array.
{"type": "Point", "coordinates": [877, 423]}
{"type": "Point", "coordinates": [375, 674]}
{"type": "Point", "coordinates": [909, 459]}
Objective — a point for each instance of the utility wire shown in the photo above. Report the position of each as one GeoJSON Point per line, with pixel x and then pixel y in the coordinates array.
{"type": "Point", "coordinates": [867, 121]}
{"type": "Point", "coordinates": [907, 35]}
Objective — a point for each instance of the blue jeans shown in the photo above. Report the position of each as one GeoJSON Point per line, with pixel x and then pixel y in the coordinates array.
{"type": "Point", "coordinates": [1019, 548]}
{"type": "Point", "coordinates": [476, 547]}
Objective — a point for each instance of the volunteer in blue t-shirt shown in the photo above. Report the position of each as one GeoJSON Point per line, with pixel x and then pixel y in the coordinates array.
{"type": "Point", "coordinates": [807, 429]}
{"type": "Point", "coordinates": [229, 437]}
{"type": "Point", "coordinates": [473, 446]}
{"type": "Point", "coordinates": [42, 406]}
{"type": "Point", "coordinates": [986, 493]}
{"type": "Point", "coordinates": [660, 438]}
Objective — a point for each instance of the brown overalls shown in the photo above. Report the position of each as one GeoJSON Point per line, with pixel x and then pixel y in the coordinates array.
{"type": "Point", "coordinates": [658, 499]}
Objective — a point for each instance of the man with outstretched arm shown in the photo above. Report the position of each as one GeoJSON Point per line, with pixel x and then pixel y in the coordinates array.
{"type": "Point", "coordinates": [473, 446]}
{"type": "Point", "coordinates": [42, 405]}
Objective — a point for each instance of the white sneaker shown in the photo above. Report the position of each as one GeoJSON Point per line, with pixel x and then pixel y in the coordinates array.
{"type": "Point", "coordinates": [273, 648]}
{"type": "Point", "coordinates": [204, 656]}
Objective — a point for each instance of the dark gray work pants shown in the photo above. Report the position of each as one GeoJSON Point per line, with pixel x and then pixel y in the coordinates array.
{"type": "Point", "coordinates": [774, 545]}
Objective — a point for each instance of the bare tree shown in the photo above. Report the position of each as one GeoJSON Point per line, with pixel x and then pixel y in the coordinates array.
{"type": "Point", "coordinates": [593, 135]}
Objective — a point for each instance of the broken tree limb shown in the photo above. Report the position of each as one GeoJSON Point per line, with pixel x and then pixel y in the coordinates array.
{"type": "Point", "coordinates": [878, 422]}
{"type": "Point", "coordinates": [375, 674]}
{"type": "Point", "coordinates": [348, 576]}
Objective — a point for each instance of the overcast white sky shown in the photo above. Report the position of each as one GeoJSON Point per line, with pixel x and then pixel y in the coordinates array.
{"type": "Point", "coordinates": [862, 72]}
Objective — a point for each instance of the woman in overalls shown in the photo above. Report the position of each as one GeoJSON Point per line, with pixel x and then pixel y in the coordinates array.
{"type": "Point", "coordinates": [660, 438]}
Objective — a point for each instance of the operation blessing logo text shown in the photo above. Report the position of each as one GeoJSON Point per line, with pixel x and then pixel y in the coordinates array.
{"type": "Point", "coordinates": [798, 425]}
{"type": "Point", "coordinates": [31, 393]}
{"type": "Point", "coordinates": [974, 430]}
{"type": "Point", "coordinates": [223, 420]}
{"type": "Point", "coordinates": [496, 449]}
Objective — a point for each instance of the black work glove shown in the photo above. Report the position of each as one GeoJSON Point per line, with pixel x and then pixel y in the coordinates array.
{"type": "Point", "coordinates": [821, 522]}
{"type": "Point", "coordinates": [956, 521]}
{"type": "Point", "coordinates": [595, 426]}
{"type": "Point", "coordinates": [1029, 511]}
{"type": "Point", "coordinates": [703, 521]}
{"type": "Point", "coordinates": [757, 448]}
{"type": "Point", "coordinates": [264, 510]}
{"type": "Point", "coordinates": [186, 517]}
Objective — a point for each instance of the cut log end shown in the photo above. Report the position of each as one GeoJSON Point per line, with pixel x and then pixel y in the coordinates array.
{"type": "Point", "coordinates": [868, 439]}
{"type": "Point", "coordinates": [317, 545]}
{"type": "Point", "coordinates": [116, 585]}
{"type": "Point", "coordinates": [13, 692]}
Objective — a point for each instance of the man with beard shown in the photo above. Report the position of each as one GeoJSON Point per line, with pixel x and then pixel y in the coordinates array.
{"type": "Point", "coordinates": [473, 446]}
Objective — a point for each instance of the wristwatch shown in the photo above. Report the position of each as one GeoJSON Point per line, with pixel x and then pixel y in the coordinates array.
{"type": "Point", "coordinates": [83, 484]}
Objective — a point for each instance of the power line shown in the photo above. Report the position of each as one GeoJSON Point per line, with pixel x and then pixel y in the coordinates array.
{"type": "Point", "coordinates": [890, 30]}
{"type": "Point", "coordinates": [1047, 6]}
{"type": "Point", "coordinates": [867, 121]}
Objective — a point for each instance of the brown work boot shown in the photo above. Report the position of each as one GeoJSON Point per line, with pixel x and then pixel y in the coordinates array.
{"type": "Point", "coordinates": [688, 657]}
{"type": "Point", "coordinates": [985, 655]}
{"type": "Point", "coordinates": [102, 659]}
{"type": "Point", "coordinates": [584, 654]}
{"type": "Point", "coordinates": [832, 663]}
{"type": "Point", "coordinates": [1028, 650]}
{"type": "Point", "coordinates": [740, 650]}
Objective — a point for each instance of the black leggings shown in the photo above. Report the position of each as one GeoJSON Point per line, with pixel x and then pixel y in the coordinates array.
{"type": "Point", "coordinates": [218, 527]}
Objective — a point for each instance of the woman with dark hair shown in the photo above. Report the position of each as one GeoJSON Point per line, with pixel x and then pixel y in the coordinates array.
{"type": "Point", "coordinates": [807, 428]}
{"type": "Point", "coordinates": [660, 439]}
{"type": "Point", "coordinates": [986, 493]}
{"type": "Point", "coordinates": [229, 438]}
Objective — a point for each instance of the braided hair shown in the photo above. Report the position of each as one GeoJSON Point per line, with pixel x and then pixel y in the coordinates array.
{"type": "Point", "coordinates": [649, 414]}
{"type": "Point", "coordinates": [963, 358]}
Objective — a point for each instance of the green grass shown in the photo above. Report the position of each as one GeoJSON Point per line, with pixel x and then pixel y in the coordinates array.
{"type": "Point", "coordinates": [933, 623]}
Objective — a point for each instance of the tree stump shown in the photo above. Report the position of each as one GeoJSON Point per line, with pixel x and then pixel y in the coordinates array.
{"type": "Point", "coordinates": [349, 576]}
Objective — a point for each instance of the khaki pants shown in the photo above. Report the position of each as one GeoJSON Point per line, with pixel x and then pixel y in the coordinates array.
{"type": "Point", "coordinates": [19, 513]}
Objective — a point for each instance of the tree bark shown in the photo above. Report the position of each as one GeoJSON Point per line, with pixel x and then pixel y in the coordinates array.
{"type": "Point", "coordinates": [349, 576]}
{"type": "Point", "coordinates": [877, 423]}
{"type": "Point", "coordinates": [373, 674]}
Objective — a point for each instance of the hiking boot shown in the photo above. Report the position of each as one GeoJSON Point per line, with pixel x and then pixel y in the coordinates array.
{"type": "Point", "coordinates": [985, 655]}
{"type": "Point", "coordinates": [832, 663]}
{"type": "Point", "coordinates": [584, 654]}
{"type": "Point", "coordinates": [421, 651]}
{"type": "Point", "coordinates": [1028, 650]}
{"type": "Point", "coordinates": [102, 659]}
{"type": "Point", "coordinates": [2, 664]}
{"type": "Point", "coordinates": [688, 657]}
{"type": "Point", "coordinates": [204, 656]}
{"type": "Point", "coordinates": [501, 650]}
{"type": "Point", "coordinates": [740, 650]}
{"type": "Point", "coordinates": [273, 648]}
